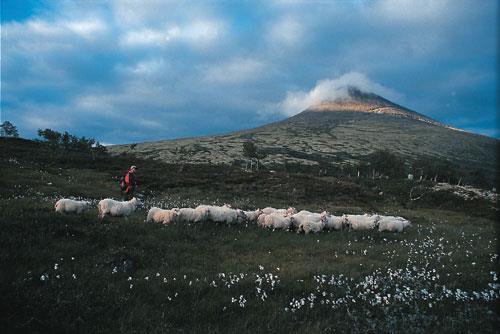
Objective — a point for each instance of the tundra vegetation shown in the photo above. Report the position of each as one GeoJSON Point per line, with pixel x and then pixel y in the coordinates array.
{"type": "Point", "coordinates": [64, 272]}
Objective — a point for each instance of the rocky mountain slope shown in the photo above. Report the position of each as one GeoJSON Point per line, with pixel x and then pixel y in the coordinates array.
{"type": "Point", "coordinates": [335, 132]}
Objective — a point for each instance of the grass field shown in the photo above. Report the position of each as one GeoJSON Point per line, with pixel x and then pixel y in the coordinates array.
{"type": "Point", "coordinates": [66, 273]}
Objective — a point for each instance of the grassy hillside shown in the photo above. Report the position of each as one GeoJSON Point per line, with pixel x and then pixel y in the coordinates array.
{"type": "Point", "coordinates": [65, 273]}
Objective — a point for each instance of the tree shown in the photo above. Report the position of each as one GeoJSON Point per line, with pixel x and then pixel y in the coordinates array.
{"type": "Point", "coordinates": [436, 169]}
{"type": "Point", "coordinates": [251, 152]}
{"type": "Point", "coordinates": [260, 155]}
{"type": "Point", "coordinates": [8, 130]}
{"type": "Point", "coordinates": [66, 142]}
{"type": "Point", "coordinates": [479, 179]}
{"type": "Point", "coordinates": [386, 163]}
{"type": "Point", "coordinates": [100, 149]}
{"type": "Point", "coordinates": [50, 136]}
{"type": "Point", "coordinates": [97, 150]}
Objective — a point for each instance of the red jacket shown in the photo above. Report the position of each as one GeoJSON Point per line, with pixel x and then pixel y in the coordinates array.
{"type": "Point", "coordinates": [130, 181]}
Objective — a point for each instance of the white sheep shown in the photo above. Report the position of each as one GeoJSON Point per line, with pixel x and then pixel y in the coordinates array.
{"type": "Point", "coordinates": [188, 215]}
{"type": "Point", "coordinates": [269, 210]}
{"type": "Point", "coordinates": [311, 224]}
{"type": "Point", "coordinates": [116, 208]}
{"type": "Point", "coordinates": [226, 215]}
{"type": "Point", "coordinates": [304, 212]}
{"type": "Point", "coordinates": [335, 223]}
{"type": "Point", "coordinates": [261, 220]}
{"type": "Point", "coordinates": [361, 222]}
{"type": "Point", "coordinates": [277, 221]}
{"type": "Point", "coordinates": [290, 211]}
{"type": "Point", "coordinates": [158, 215]}
{"type": "Point", "coordinates": [304, 216]}
{"type": "Point", "coordinates": [65, 205]}
{"type": "Point", "coordinates": [392, 224]}
{"type": "Point", "coordinates": [252, 216]}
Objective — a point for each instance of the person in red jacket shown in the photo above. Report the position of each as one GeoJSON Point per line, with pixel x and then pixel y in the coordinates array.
{"type": "Point", "coordinates": [130, 184]}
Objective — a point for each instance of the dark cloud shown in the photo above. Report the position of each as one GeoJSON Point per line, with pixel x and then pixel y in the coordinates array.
{"type": "Point", "coordinates": [129, 71]}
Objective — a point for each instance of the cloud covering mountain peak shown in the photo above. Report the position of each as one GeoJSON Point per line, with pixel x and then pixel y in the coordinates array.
{"type": "Point", "coordinates": [337, 89]}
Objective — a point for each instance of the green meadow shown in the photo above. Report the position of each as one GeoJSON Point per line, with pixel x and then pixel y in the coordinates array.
{"type": "Point", "coordinates": [66, 273]}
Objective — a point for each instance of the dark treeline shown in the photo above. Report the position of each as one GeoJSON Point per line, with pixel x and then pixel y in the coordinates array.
{"type": "Point", "coordinates": [387, 164]}
{"type": "Point", "coordinates": [384, 164]}
{"type": "Point", "coordinates": [70, 143]}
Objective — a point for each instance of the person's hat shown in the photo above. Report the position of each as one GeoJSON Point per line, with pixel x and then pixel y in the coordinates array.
{"type": "Point", "coordinates": [133, 167]}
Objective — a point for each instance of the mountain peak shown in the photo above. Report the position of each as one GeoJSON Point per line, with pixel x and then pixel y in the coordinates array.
{"type": "Point", "coordinates": [354, 96]}
{"type": "Point", "coordinates": [356, 100]}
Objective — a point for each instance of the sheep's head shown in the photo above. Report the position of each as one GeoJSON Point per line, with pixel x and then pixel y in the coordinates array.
{"type": "Point", "coordinates": [240, 216]}
{"type": "Point", "coordinates": [135, 201]}
{"type": "Point", "coordinates": [207, 211]}
{"type": "Point", "coordinates": [261, 220]}
{"type": "Point", "coordinates": [324, 216]}
{"type": "Point", "coordinates": [346, 224]}
{"type": "Point", "coordinates": [172, 218]}
{"type": "Point", "coordinates": [291, 211]}
{"type": "Point", "coordinates": [376, 220]}
{"type": "Point", "coordinates": [406, 223]}
{"type": "Point", "coordinates": [301, 228]}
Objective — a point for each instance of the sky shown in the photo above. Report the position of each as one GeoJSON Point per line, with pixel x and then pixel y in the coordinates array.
{"type": "Point", "coordinates": [132, 71]}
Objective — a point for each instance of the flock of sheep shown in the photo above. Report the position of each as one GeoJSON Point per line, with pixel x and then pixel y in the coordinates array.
{"type": "Point", "coordinates": [278, 219]}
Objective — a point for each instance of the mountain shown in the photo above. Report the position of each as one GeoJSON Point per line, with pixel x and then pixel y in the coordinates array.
{"type": "Point", "coordinates": [358, 101]}
{"type": "Point", "coordinates": [341, 131]}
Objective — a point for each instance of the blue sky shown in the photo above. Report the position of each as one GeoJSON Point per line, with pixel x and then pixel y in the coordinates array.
{"type": "Point", "coordinates": [130, 71]}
